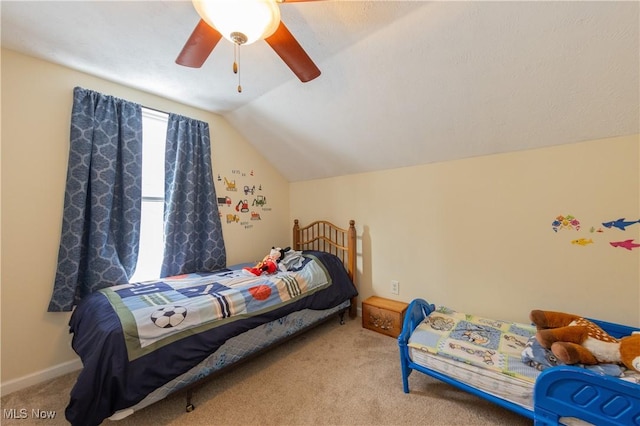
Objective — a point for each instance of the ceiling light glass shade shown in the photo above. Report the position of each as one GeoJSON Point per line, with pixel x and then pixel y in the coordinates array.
{"type": "Point", "coordinates": [256, 19]}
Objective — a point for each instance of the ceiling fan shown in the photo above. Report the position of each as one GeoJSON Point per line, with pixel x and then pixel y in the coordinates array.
{"type": "Point", "coordinates": [214, 25]}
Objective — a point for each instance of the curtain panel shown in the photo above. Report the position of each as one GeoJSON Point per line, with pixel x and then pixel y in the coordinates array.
{"type": "Point", "coordinates": [193, 231]}
{"type": "Point", "coordinates": [102, 204]}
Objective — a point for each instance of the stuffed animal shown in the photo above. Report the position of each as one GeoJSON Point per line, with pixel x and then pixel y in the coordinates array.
{"type": "Point", "coordinates": [283, 252]}
{"type": "Point", "coordinates": [576, 340]}
{"type": "Point", "coordinates": [269, 264]}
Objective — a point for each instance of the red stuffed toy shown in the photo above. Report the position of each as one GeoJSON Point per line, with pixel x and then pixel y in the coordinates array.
{"type": "Point", "coordinates": [268, 265]}
{"type": "Point", "coordinates": [576, 340]}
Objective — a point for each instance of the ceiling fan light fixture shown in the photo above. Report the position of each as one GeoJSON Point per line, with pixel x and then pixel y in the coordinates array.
{"type": "Point", "coordinates": [253, 19]}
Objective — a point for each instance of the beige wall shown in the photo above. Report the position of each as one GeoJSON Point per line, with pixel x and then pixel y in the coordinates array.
{"type": "Point", "coordinates": [36, 105]}
{"type": "Point", "coordinates": [476, 234]}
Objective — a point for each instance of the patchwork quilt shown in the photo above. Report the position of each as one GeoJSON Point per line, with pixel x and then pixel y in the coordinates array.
{"type": "Point", "coordinates": [156, 313]}
{"type": "Point", "coordinates": [482, 342]}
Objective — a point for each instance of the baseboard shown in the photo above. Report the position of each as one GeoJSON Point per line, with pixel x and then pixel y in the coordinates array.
{"type": "Point", "coordinates": [38, 377]}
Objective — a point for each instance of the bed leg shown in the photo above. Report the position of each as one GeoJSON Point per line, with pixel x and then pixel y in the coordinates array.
{"type": "Point", "coordinates": [405, 378]}
{"type": "Point", "coordinates": [404, 367]}
{"type": "Point", "coordinates": [341, 315]}
{"type": "Point", "coordinates": [190, 407]}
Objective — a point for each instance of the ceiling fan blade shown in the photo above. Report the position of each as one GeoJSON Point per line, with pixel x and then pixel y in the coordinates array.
{"type": "Point", "coordinates": [199, 45]}
{"type": "Point", "coordinates": [288, 48]}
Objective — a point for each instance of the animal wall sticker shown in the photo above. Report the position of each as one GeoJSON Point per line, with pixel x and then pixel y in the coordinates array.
{"type": "Point", "coordinates": [568, 222]}
{"type": "Point", "coordinates": [620, 223]}
{"type": "Point", "coordinates": [628, 244]}
{"type": "Point", "coordinates": [571, 223]}
{"type": "Point", "coordinates": [582, 241]}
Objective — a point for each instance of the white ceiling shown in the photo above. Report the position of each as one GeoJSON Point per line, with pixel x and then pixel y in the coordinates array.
{"type": "Point", "coordinates": [403, 82]}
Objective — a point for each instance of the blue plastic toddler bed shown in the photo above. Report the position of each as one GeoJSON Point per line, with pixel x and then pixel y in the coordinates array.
{"type": "Point", "coordinates": [500, 362]}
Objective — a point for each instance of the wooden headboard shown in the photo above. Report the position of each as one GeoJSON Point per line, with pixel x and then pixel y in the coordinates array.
{"type": "Point", "coordinates": [325, 236]}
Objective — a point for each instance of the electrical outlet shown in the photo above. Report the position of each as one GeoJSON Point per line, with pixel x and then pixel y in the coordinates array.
{"type": "Point", "coordinates": [395, 287]}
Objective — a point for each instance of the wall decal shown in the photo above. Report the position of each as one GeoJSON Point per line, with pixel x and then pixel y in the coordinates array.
{"type": "Point", "coordinates": [260, 200]}
{"type": "Point", "coordinates": [231, 186]}
{"type": "Point", "coordinates": [565, 222]}
{"type": "Point", "coordinates": [247, 213]}
{"type": "Point", "coordinates": [569, 222]}
{"type": "Point", "coordinates": [621, 224]}
{"type": "Point", "coordinates": [242, 206]}
{"type": "Point", "coordinates": [628, 244]}
{"type": "Point", "coordinates": [224, 201]}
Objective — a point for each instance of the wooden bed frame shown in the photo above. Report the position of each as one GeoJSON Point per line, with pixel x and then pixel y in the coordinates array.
{"type": "Point", "coordinates": [562, 391]}
{"type": "Point", "coordinates": [325, 236]}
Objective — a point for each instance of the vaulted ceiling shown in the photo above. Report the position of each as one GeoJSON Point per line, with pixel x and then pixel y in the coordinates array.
{"type": "Point", "coordinates": [403, 82]}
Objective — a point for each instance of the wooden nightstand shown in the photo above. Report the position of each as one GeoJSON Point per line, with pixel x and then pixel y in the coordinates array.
{"type": "Point", "coordinates": [383, 315]}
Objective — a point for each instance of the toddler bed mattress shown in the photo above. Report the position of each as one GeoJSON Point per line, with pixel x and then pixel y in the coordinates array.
{"type": "Point", "coordinates": [495, 383]}
{"type": "Point", "coordinates": [497, 357]}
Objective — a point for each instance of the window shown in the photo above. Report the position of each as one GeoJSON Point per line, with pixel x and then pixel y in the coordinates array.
{"type": "Point", "coordinates": [154, 134]}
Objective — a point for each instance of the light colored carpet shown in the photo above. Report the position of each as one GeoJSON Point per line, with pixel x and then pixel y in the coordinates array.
{"type": "Point", "coordinates": [331, 375]}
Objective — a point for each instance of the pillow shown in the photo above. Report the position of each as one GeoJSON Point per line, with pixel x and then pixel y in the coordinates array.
{"type": "Point", "coordinates": [538, 357]}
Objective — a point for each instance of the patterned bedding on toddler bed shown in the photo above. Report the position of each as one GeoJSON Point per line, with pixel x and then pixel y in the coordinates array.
{"type": "Point", "coordinates": [482, 342]}
{"type": "Point", "coordinates": [507, 348]}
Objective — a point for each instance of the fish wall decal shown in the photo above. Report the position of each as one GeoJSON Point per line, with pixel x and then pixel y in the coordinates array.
{"type": "Point", "coordinates": [621, 224]}
{"type": "Point", "coordinates": [628, 244]}
{"type": "Point", "coordinates": [582, 241]}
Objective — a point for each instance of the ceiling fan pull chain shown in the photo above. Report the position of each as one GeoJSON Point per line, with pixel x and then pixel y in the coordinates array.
{"type": "Point", "coordinates": [236, 63]}
{"type": "Point", "coordinates": [235, 58]}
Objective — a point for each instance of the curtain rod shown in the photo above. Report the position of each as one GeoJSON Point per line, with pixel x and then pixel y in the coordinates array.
{"type": "Point", "coordinates": [155, 110]}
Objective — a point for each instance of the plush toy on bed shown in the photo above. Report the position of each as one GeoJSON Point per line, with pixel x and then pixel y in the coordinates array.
{"type": "Point", "coordinates": [576, 340]}
{"type": "Point", "coordinates": [269, 264]}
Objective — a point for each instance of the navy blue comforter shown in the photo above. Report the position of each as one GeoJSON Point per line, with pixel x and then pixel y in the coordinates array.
{"type": "Point", "coordinates": [110, 381]}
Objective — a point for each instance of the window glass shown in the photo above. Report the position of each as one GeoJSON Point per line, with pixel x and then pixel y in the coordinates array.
{"type": "Point", "coordinates": [154, 134]}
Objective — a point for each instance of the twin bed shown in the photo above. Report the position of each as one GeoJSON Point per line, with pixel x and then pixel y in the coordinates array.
{"type": "Point", "coordinates": [498, 361]}
{"type": "Point", "coordinates": [141, 342]}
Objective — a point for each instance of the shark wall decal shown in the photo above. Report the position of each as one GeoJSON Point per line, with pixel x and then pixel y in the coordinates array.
{"type": "Point", "coordinates": [621, 224]}
{"type": "Point", "coordinates": [628, 244]}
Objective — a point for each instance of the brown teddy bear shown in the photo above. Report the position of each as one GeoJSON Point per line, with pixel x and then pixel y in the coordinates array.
{"type": "Point", "coordinates": [576, 340]}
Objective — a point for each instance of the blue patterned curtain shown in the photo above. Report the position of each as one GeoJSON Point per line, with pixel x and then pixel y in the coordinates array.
{"type": "Point", "coordinates": [192, 228]}
{"type": "Point", "coordinates": [101, 219]}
